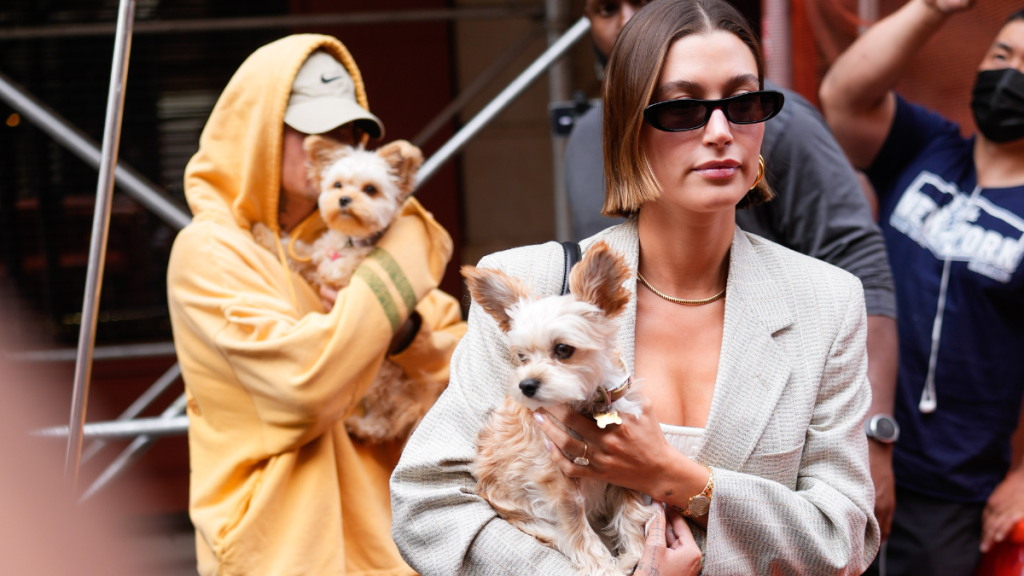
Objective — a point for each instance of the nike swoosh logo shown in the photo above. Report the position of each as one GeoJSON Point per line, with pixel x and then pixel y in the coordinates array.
{"type": "Point", "coordinates": [326, 80]}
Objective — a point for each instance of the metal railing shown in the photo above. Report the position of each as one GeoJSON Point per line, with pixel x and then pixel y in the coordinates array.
{"type": "Point", "coordinates": [144, 431]}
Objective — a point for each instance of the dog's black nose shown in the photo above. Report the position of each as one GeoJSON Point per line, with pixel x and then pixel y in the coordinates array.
{"type": "Point", "coordinates": [344, 201]}
{"type": "Point", "coordinates": [529, 387]}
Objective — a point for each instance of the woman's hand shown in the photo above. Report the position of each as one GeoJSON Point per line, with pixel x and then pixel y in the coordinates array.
{"type": "Point", "coordinates": [670, 548]}
{"type": "Point", "coordinates": [633, 454]}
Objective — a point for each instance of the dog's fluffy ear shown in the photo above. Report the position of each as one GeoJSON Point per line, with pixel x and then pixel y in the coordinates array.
{"type": "Point", "coordinates": [404, 160]}
{"type": "Point", "coordinates": [322, 151]}
{"type": "Point", "coordinates": [496, 292]}
{"type": "Point", "coordinates": [598, 279]}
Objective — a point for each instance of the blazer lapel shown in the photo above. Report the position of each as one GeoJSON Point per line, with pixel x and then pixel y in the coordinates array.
{"type": "Point", "coordinates": [753, 368]}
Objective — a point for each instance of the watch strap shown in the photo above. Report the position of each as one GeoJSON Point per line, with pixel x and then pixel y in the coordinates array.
{"type": "Point", "coordinates": [700, 504]}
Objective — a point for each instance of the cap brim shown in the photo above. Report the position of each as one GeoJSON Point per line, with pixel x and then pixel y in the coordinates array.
{"type": "Point", "coordinates": [326, 114]}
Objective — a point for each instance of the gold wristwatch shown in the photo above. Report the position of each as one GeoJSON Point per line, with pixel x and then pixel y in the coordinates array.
{"type": "Point", "coordinates": [701, 503]}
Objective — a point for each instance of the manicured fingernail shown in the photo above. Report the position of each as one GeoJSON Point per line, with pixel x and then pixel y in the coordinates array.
{"type": "Point", "coordinates": [547, 444]}
{"type": "Point", "coordinates": [539, 417]}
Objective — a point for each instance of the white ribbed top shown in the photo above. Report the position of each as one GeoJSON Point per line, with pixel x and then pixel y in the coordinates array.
{"type": "Point", "coordinates": [684, 439]}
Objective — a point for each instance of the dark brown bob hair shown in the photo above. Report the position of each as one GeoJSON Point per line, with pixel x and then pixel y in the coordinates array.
{"type": "Point", "coordinates": [629, 83]}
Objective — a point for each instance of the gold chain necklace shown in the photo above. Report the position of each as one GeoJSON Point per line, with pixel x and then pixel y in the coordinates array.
{"type": "Point", "coordinates": [680, 300]}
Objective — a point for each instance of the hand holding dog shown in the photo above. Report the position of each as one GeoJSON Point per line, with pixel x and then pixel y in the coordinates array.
{"type": "Point", "coordinates": [634, 454]}
{"type": "Point", "coordinates": [670, 548]}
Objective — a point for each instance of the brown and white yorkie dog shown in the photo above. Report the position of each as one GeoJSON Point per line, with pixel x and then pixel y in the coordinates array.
{"type": "Point", "coordinates": [568, 356]}
{"type": "Point", "coordinates": [361, 193]}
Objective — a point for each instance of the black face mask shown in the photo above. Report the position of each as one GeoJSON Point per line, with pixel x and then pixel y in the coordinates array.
{"type": "Point", "coordinates": [998, 104]}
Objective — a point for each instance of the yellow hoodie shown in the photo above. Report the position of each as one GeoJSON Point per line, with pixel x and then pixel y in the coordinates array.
{"type": "Point", "coordinates": [277, 486]}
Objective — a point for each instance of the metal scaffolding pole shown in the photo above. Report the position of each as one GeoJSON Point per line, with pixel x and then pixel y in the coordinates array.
{"type": "Point", "coordinates": [778, 48]}
{"type": "Point", "coordinates": [98, 243]}
{"type": "Point", "coordinates": [558, 91]}
{"type": "Point", "coordinates": [134, 451]}
{"type": "Point", "coordinates": [47, 120]}
{"type": "Point", "coordinates": [140, 404]}
{"type": "Point", "coordinates": [503, 99]}
{"type": "Point", "coordinates": [478, 84]}
{"type": "Point", "coordinates": [113, 430]}
{"type": "Point", "coordinates": [265, 22]}
{"type": "Point", "coordinates": [867, 12]}
{"type": "Point", "coordinates": [119, 352]}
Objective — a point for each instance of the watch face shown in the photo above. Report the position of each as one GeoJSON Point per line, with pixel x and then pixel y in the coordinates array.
{"type": "Point", "coordinates": [699, 505]}
{"type": "Point", "coordinates": [884, 428]}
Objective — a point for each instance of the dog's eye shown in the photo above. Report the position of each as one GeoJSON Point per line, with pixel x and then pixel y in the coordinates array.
{"type": "Point", "coordinates": [337, 184]}
{"type": "Point", "coordinates": [563, 351]}
{"type": "Point", "coordinates": [522, 358]}
{"type": "Point", "coordinates": [370, 189]}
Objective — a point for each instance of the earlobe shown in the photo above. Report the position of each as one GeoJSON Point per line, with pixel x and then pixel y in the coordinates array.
{"type": "Point", "coordinates": [495, 292]}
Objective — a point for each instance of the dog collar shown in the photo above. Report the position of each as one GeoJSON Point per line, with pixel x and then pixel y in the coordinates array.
{"type": "Point", "coordinates": [365, 242]}
{"type": "Point", "coordinates": [608, 397]}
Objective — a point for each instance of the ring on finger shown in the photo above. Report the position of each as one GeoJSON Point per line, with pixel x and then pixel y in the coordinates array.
{"type": "Point", "coordinates": [582, 459]}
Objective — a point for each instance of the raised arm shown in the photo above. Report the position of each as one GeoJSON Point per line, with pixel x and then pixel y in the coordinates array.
{"type": "Point", "coordinates": [303, 372]}
{"type": "Point", "coordinates": [856, 93]}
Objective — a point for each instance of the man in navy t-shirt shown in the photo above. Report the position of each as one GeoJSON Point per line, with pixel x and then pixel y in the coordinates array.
{"type": "Point", "coordinates": [952, 213]}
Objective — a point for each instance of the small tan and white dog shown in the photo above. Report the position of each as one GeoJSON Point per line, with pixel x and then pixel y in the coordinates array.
{"type": "Point", "coordinates": [360, 194]}
{"type": "Point", "coordinates": [568, 356]}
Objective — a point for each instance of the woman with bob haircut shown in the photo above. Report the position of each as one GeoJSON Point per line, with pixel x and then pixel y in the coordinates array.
{"type": "Point", "coordinates": [751, 356]}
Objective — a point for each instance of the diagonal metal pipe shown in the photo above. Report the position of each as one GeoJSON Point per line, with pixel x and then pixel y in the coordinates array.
{"type": "Point", "coordinates": [133, 452]}
{"type": "Point", "coordinates": [478, 84]}
{"type": "Point", "coordinates": [140, 404]}
{"type": "Point", "coordinates": [70, 137]}
{"type": "Point", "coordinates": [503, 99]}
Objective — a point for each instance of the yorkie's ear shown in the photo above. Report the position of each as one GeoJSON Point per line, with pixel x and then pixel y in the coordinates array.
{"type": "Point", "coordinates": [598, 279]}
{"type": "Point", "coordinates": [496, 292]}
{"type": "Point", "coordinates": [322, 151]}
{"type": "Point", "coordinates": [404, 160]}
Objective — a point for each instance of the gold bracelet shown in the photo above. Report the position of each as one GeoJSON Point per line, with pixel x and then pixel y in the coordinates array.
{"type": "Point", "coordinates": [700, 504]}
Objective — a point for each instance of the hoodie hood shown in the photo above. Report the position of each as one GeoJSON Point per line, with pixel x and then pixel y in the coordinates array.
{"type": "Point", "coordinates": [235, 177]}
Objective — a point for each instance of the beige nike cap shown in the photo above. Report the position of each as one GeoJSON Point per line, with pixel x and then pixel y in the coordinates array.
{"type": "Point", "coordinates": [324, 97]}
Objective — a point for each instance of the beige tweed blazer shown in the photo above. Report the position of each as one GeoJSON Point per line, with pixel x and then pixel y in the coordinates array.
{"type": "Point", "coordinates": [793, 494]}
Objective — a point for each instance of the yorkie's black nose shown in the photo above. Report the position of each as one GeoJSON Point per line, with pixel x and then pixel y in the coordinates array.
{"type": "Point", "coordinates": [344, 201]}
{"type": "Point", "coordinates": [529, 387]}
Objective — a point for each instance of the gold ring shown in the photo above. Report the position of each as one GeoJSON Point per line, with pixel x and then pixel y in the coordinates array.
{"type": "Point", "coordinates": [582, 460]}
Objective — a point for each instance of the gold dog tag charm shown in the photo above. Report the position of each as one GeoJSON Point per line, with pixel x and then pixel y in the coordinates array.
{"type": "Point", "coordinates": [606, 418]}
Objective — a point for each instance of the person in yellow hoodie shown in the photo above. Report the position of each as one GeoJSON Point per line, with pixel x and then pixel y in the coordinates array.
{"type": "Point", "coordinates": [271, 367]}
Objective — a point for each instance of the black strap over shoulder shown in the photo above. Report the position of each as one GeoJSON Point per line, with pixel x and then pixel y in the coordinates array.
{"type": "Point", "coordinates": [573, 254]}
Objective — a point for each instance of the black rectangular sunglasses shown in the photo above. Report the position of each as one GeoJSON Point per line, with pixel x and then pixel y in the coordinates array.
{"type": "Point", "coordinates": [689, 113]}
